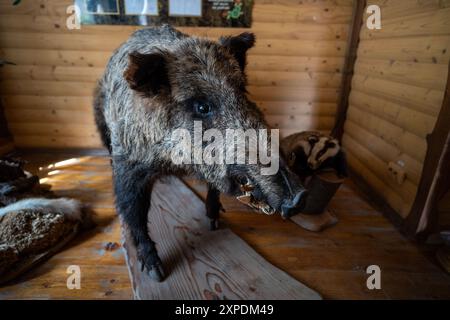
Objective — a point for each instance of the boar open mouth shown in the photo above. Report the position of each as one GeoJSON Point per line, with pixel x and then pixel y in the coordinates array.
{"type": "Point", "coordinates": [249, 199]}
{"type": "Point", "coordinates": [252, 197]}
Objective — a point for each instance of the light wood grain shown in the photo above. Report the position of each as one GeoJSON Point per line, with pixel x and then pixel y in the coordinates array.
{"type": "Point", "coordinates": [51, 41]}
{"type": "Point", "coordinates": [298, 57]}
{"type": "Point", "coordinates": [274, 11]}
{"type": "Point", "coordinates": [393, 9]}
{"type": "Point", "coordinates": [93, 74]}
{"type": "Point", "coordinates": [397, 93]}
{"type": "Point", "coordinates": [377, 183]}
{"type": "Point", "coordinates": [434, 22]}
{"type": "Point", "coordinates": [94, 59]}
{"type": "Point", "coordinates": [413, 121]}
{"type": "Point", "coordinates": [429, 49]}
{"type": "Point", "coordinates": [378, 167]}
{"type": "Point", "coordinates": [203, 264]}
{"type": "Point", "coordinates": [265, 30]}
{"type": "Point", "coordinates": [408, 143]}
{"type": "Point", "coordinates": [383, 149]}
{"type": "Point", "coordinates": [425, 75]}
{"type": "Point", "coordinates": [332, 262]}
{"type": "Point", "coordinates": [419, 99]}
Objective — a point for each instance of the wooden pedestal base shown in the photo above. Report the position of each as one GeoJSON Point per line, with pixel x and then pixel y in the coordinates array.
{"type": "Point", "coordinates": [203, 264]}
{"type": "Point", "coordinates": [316, 222]}
{"type": "Point", "coordinates": [316, 217]}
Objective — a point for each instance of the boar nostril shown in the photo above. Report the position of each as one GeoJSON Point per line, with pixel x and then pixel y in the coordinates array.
{"type": "Point", "coordinates": [242, 180]}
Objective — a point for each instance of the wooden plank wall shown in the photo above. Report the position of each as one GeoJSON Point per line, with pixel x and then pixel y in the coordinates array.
{"type": "Point", "coordinates": [397, 92]}
{"type": "Point", "coordinates": [444, 212]}
{"type": "Point", "coordinates": [5, 137]}
{"type": "Point", "coordinates": [294, 69]}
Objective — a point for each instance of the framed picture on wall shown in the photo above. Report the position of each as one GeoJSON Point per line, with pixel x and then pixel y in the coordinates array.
{"type": "Point", "coordinates": [141, 7]}
{"type": "Point", "coordinates": [200, 13]}
{"type": "Point", "coordinates": [102, 7]}
{"type": "Point", "coordinates": [185, 8]}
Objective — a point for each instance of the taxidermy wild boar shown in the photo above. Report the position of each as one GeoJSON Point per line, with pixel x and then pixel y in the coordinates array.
{"type": "Point", "coordinates": [161, 80]}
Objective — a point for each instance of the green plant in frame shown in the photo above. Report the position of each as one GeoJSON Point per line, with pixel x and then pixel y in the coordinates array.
{"type": "Point", "coordinates": [16, 2]}
{"type": "Point", "coordinates": [236, 12]}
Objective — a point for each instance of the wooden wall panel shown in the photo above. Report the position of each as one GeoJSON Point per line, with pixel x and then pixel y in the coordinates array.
{"type": "Point", "coordinates": [294, 69]}
{"type": "Point", "coordinates": [5, 136]}
{"type": "Point", "coordinates": [444, 212]}
{"type": "Point", "coordinates": [397, 93]}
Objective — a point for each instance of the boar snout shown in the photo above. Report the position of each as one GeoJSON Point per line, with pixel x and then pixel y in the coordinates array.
{"type": "Point", "coordinates": [291, 207]}
{"type": "Point", "coordinates": [282, 192]}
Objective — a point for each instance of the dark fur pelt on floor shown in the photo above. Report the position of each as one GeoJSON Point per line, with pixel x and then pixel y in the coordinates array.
{"type": "Point", "coordinates": [17, 184]}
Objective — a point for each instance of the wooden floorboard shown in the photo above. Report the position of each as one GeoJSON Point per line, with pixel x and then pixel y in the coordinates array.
{"type": "Point", "coordinates": [203, 264]}
{"type": "Point", "coordinates": [104, 274]}
{"type": "Point", "coordinates": [333, 262]}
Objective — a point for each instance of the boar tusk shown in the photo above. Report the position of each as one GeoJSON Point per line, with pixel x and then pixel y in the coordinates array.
{"type": "Point", "coordinates": [248, 199]}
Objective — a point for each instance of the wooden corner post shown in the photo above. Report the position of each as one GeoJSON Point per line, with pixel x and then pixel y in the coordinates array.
{"type": "Point", "coordinates": [349, 65]}
{"type": "Point", "coordinates": [435, 178]}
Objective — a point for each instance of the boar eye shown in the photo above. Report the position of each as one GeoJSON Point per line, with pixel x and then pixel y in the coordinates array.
{"type": "Point", "coordinates": [202, 109]}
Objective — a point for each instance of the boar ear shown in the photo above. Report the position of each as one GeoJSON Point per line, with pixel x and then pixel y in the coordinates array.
{"type": "Point", "coordinates": [238, 46]}
{"type": "Point", "coordinates": [147, 73]}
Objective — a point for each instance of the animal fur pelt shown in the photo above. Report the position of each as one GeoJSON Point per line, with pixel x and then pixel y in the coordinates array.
{"type": "Point", "coordinates": [33, 229]}
{"type": "Point", "coordinates": [11, 169]}
{"type": "Point", "coordinates": [17, 184]}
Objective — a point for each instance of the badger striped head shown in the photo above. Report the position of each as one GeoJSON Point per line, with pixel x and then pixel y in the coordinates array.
{"type": "Point", "coordinates": [322, 149]}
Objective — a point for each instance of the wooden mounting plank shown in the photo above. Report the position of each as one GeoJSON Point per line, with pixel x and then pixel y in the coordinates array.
{"type": "Point", "coordinates": [203, 264]}
{"type": "Point", "coordinates": [316, 223]}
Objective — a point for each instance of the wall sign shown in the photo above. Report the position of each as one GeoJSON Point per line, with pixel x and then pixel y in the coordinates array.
{"type": "Point", "coordinates": [201, 13]}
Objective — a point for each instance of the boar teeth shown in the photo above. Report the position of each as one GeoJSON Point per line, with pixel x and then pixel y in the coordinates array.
{"type": "Point", "coordinates": [268, 210]}
{"type": "Point", "coordinates": [248, 199]}
{"type": "Point", "coordinates": [247, 188]}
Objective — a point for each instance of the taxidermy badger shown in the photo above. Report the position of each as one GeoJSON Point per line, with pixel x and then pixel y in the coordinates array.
{"type": "Point", "coordinates": [160, 80]}
{"type": "Point", "coordinates": [310, 151]}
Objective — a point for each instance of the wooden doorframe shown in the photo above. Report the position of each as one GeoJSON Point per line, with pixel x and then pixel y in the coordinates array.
{"type": "Point", "coordinates": [435, 178]}
{"type": "Point", "coordinates": [349, 67]}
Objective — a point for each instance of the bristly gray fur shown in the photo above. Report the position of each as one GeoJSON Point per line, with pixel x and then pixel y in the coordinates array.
{"type": "Point", "coordinates": [139, 126]}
